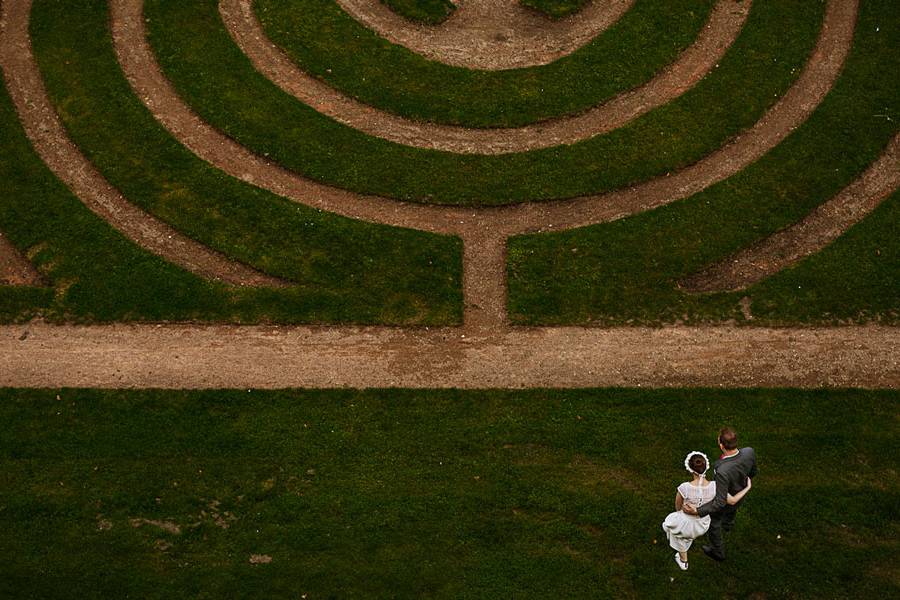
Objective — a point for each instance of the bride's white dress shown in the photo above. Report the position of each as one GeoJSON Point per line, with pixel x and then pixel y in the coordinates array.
{"type": "Point", "coordinates": [682, 528]}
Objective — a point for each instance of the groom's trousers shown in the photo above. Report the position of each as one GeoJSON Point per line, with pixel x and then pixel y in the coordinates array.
{"type": "Point", "coordinates": [719, 521]}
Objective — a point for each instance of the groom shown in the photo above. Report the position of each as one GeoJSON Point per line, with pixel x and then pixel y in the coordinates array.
{"type": "Point", "coordinates": [732, 471]}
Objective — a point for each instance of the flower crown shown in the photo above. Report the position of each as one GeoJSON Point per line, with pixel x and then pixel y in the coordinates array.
{"type": "Point", "coordinates": [687, 460]}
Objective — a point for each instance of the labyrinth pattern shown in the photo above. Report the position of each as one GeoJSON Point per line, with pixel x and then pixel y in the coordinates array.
{"type": "Point", "coordinates": [257, 160]}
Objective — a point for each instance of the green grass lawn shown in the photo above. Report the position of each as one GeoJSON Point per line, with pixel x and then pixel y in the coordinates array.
{"type": "Point", "coordinates": [189, 38]}
{"type": "Point", "coordinates": [345, 270]}
{"type": "Point", "coordinates": [626, 271]}
{"type": "Point", "coordinates": [430, 12]}
{"type": "Point", "coordinates": [329, 44]}
{"type": "Point", "coordinates": [556, 9]}
{"type": "Point", "coordinates": [439, 494]}
{"type": "Point", "coordinates": [97, 275]}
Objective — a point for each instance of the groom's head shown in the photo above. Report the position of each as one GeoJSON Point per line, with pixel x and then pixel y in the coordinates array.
{"type": "Point", "coordinates": [727, 438]}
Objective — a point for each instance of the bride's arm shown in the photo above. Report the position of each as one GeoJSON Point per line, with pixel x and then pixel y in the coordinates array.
{"type": "Point", "coordinates": [740, 495]}
{"type": "Point", "coordinates": [679, 501]}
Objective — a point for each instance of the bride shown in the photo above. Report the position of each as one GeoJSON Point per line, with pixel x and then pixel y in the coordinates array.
{"type": "Point", "coordinates": [681, 528]}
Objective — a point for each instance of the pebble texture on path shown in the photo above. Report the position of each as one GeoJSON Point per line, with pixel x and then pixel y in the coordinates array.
{"type": "Point", "coordinates": [491, 34]}
{"type": "Point", "coordinates": [193, 356]}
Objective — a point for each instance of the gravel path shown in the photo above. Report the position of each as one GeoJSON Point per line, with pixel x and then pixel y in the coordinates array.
{"type": "Point", "coordinates": [695, 62]}
{"type": "Point", "coordinates": [186, 356]}
{"type": "Point", "coordinates": [484, 353]}
{"type": "Point", "coordinates": [491, 34]}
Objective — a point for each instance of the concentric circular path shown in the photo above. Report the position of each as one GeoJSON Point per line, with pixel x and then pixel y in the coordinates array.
{"type": "Point", "coordinates": [486, 352]}
{"type": "Point", "coordinates": [49, 138]}
{"type": "Point", "coordinates": [695, 62]}
{"type": "Point", "coordinates": [484, 230]}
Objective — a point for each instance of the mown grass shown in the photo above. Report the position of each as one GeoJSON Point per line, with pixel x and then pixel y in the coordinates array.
{"type": "Point", "coordinates": [626, 271]}
{"type": "Point", "coordinates": [97, 275]}
{"type": "Point", "coordinates": [190, 38]}
{"type": "Point", "coordinates": [555, 9]}
{"type": "Point", "coordinates": [20, 303]}
{"type": "Point", "coordinates": [332, 46]}
{"type": "Point", "coordinates": [445, 494]}
{"type": "Point", "coordinates": [345, 270]}
{"type": "Point", "coordinates": [430, 12]}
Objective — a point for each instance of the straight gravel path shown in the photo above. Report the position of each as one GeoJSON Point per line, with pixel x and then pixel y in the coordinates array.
{"type": "Point", "coordinates": [186, 356]}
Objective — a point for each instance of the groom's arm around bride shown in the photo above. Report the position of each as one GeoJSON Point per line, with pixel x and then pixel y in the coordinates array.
{"type": "Point", "coordinates": [732, 471]}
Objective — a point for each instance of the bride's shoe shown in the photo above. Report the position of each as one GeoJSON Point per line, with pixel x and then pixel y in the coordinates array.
{"type": "Point", "coordinates": [681, 564]}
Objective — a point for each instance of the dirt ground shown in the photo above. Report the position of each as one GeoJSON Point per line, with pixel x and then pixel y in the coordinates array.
{"type": "Point", "coordinates": [195, 356]}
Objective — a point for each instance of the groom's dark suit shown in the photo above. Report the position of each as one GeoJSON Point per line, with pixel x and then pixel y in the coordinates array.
{"type": "Point", "coordinates": [731, 478]}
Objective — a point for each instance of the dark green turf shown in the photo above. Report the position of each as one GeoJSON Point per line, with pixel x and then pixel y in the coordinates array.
{"type": "Point", "coordinates": [100, 276]}
{"type": "Point", "coordinates": [402, 494]}
{"type": "Point", "coordinates": [329, 44]}
{"type": "Point", "coordinates": [625, 272]}
{"type": "Point", "coordinates": [20, 303]}
{"type": "Point", "coordinates": [346, 270]}
{"type": "Point", "coordinates": [555, 9]}
{"type": "Point", "coordinates": [430, 12]}
{"type": "Point", "coordinates": [190, 39]}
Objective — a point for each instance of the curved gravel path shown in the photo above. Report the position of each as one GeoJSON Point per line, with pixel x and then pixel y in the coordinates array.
{"type": "Point", "coordinates": [50, 141]}
{"type": "Point", "coordinates": [491, 34]}
{"type": "Point", "coordinates": [484, 230]}
{"type": "Point", "coordinates": [720, 32]}
{"type": "Point", "coordinates": [808, 236]}
{"type": "Point", "coordinates": [15, 269]}
{"type": "Point", "coordinates": [179, 356]}
{"type": "Point", "coordinates": [485, 353]}
{"type": "Point", "coordinates": [151, 86]}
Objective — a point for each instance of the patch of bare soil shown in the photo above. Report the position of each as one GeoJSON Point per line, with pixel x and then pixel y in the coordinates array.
{"type": "Point", "coordinates": [808, 236]}
{"type": "Point", "coordinates": [723, 27]}
{"type": "Point", "coordinates": [167, 526]}
{"type": "Point", "coordinates": [15, 269]}
{"type": "Point", "coordinates": [47, 135]}
{"type": "Point", "coordinates": [491, 34]}
{"type": "Point", "coordinates": [260, 559]}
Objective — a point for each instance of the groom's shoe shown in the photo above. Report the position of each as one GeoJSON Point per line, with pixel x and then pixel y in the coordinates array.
{"type": "Point", "coordinates": [710, 552]}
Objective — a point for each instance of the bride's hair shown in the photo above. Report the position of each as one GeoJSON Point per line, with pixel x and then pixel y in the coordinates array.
{"type": "Point", "coordinates": [697, 464]}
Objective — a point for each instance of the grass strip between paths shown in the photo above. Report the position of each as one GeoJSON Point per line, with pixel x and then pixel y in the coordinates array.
{"type": "Point", "coordinates": [447, 494]}
{"type": "Point", "coordinates": [430, 12]}
{"type": "Point", "coordinates": [99, 276]}
{"type": "Point", "coordinates": [190, 39]}
{"type": "Point", "coordinates": [346, 270]}
{"type": "Point", "coordinates": [329, 44]}
{"type": "Point", "coordinates": [555, 9]}
{"type": "Point", "coordinates": [625, 271]}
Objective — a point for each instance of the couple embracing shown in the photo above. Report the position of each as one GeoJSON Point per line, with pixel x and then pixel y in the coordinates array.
{"type": "Point", "coordinates": [703, 506]}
